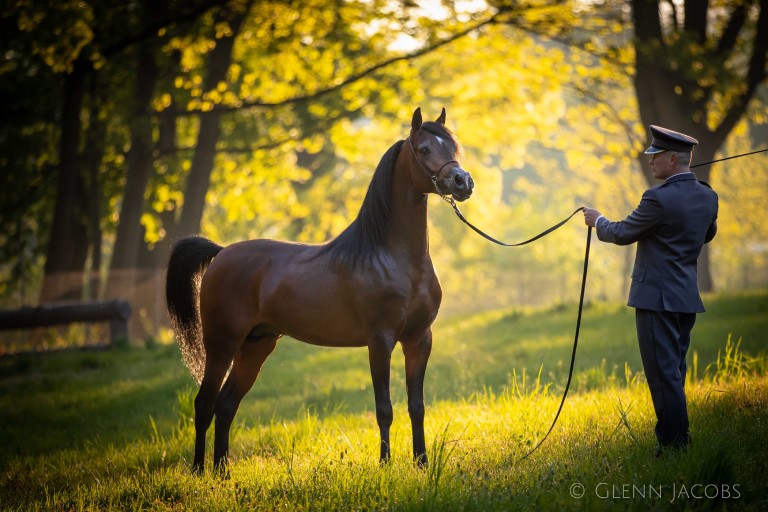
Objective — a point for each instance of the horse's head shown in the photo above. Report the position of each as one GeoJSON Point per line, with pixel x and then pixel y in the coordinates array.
{"type": "Point", "coordinates": [436, 153]}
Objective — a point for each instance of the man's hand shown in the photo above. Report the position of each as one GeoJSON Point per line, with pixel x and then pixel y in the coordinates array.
{"type": "Point", "coordinates": [590, 216]}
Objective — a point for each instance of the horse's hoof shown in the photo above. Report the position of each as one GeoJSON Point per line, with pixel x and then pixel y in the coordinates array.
{"type": "Point", "coordinates": [221, 469]}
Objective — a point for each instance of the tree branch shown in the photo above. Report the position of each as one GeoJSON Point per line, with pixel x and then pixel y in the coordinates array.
{"type": "Point", "coordinates": [151, 29]}
{"type": "Point", "coordinates": [731, 32]}
{"type": "Point", "coordinates": [755, 75]}
{"type": "Point", "coordinates": [675, 18]}
{"type": "Point", "coordinates": [229, 150]}
{"type": "Point", "coordinates": [347, 81]}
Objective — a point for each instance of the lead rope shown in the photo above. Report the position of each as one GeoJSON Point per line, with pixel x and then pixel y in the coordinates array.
{"type": "Point", "coordinates": [447, 198]}
{"type": "Point", "coordinates": [575, 343]}
{"type": "Point", "coordinates": [451, 201]}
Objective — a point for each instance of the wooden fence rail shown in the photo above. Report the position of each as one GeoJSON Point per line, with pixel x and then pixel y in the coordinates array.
{"type": "Point", "coordinates": [116, 312]}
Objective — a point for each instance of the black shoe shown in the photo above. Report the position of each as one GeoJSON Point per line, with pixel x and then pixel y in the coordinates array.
{"type": "Point", "coordinates": [678, 447]}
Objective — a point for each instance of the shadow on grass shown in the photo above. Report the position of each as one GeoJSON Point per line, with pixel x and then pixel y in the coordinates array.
{"type": "Point", "coordinates": [301, 465]}
{"type": "Point", "coordinates": [64, 401]}
{"type": "Point", "coordinates": [59, 402]}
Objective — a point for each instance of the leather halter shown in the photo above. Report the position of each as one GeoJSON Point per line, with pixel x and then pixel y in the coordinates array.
{"type": "Point", "coordinates": [433, 177]}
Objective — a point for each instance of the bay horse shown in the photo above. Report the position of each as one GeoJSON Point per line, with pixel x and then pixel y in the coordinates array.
{"type": "Point", "coordinates": [372, 286]}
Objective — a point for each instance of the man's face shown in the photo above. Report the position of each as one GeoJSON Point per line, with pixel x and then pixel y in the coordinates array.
{"type": "Point", "coordinates": [662, 164]}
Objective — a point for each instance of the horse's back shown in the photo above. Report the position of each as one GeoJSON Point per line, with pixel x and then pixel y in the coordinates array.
{"type": "Point", "coordinates": [300, 291]}
{"type": "Point", "coordinates": [284, 285]}
{"type": "Point", "coordinates": [231, 288]}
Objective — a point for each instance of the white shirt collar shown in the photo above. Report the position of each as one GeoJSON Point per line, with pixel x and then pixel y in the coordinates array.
{"type": "Point", "coordinates": [678, 174]}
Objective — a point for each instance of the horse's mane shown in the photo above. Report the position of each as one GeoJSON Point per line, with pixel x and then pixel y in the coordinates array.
{"type": "Point", "coordinates": [369, 230]}
{"type": "Point", "coordinates": [367, 233]}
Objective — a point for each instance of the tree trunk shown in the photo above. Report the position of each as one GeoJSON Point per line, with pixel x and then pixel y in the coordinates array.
{"type": "Point", "coordinates": [199, 177]}
{"type": "Point", "coordinates": [95, 137]}
{"type": "Point", "coordinates": [129, 231]}
{"type": "Point", "coordinates": [68, 245]}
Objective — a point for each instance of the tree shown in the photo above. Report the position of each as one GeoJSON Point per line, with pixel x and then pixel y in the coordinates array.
{"type": "Point", "coordinates": [72, 44]}
{"type": "Point", "coordinates": [695, 66]}
{"type": "Point", "coordinates": [27, 181]}
{"type": "Point", "coordinates": [139, 168]}
{"type": "Point", "coordinates": [243, 118]}
{"type": "Point", "coordinates": [698, 66]}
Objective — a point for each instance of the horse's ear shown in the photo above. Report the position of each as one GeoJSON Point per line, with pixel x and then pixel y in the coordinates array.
{"type": "Point", "coordinates": [416, 121]}
{"type": "Point", "coordinates": [441, 119]}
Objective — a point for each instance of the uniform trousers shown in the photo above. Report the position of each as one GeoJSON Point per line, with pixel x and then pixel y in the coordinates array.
{"type": "Point", "coordinates": [664, 338]}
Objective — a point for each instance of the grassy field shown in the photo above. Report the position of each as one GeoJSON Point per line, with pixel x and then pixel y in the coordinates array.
{"type": "Point", "coordinates": [112, 430]}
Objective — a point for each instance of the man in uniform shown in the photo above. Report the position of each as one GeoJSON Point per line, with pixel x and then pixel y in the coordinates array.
{"type": "Point", "coordinates": [671, 224]}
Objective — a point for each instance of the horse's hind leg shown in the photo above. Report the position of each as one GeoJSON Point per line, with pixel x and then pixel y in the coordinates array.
{"type": "Point", "coordinates": [245, 369]}
{"type": "Point", "coordinates": [216, 366]}
{"type": "Point", "coordinates": [416, 357]}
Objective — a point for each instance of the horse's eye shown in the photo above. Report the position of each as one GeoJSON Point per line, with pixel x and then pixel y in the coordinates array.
{"type": "Point", "coordinates": [424, 150]}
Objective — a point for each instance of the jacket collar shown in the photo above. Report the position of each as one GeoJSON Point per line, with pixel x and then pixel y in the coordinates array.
{"type": "Point", "coordinates": [683, 176]}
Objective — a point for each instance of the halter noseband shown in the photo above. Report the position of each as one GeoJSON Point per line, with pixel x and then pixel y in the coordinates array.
{"type": "Point", "coordinates": [433, 177]}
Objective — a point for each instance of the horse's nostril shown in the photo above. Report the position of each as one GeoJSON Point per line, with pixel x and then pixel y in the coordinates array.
{"type": "Point", "coordinates": [463, 181]}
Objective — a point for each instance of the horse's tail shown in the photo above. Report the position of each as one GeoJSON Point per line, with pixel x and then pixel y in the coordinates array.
{"type": "Point", "coordinates": [190, 257]}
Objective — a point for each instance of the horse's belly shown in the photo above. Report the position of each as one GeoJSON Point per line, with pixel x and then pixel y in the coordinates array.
{"type": "Point", "coordinates": [312, 303]}
{"type": "Point", "coordinates": [318, 312]}
{"type": "Point", "coordinates": [336, 316]}
{"type": "Point", "coordinates": [333, 329]}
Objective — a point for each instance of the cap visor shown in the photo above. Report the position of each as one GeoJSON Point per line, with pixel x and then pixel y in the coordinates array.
{"type": "Point", "coordinates": [653, 150]}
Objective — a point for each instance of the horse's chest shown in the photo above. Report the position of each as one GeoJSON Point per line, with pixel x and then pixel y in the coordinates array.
{"type": "Point", "coordinates": [422, 302]}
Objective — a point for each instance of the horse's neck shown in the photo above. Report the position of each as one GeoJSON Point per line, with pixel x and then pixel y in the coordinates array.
{"type": "Point", "coordinates": [408, 229]}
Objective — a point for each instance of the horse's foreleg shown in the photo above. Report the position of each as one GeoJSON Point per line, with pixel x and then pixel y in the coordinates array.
{"type": "Point", "coordinates": [379, 355]}
{"type": "Point", "coordinates": [416, 357]}
{"type": "Point", "coordinates": [244, 372]}
{"type": "Point", "coordinates": [205, 402]}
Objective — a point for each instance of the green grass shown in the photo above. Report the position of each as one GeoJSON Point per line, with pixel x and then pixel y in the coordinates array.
{"type": "Point", "coordinates": [113, 429]}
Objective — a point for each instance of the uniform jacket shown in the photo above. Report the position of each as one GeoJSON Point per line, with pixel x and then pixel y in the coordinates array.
{"type": "Point", "coordinates": [670, 225]}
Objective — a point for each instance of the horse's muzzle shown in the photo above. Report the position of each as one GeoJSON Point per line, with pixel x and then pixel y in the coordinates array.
{"type": "Point", "coordinates": [459, 183]}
